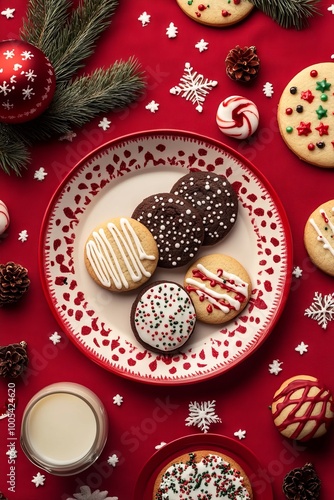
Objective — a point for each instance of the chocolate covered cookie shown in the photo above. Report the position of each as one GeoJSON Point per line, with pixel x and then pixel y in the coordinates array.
{"type": "Point", "coordinates": [175, 225]}
{"type": "Point", "coordinates": [163, 317]}
{"type": "Point", "coordinates": [214, 198]}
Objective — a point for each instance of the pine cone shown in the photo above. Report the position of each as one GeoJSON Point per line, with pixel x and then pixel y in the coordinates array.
{"type": "Point", "coordinates": [302, 484]}
{"type": "Point", "coordinates": [242, 64]}
{"type": "Point", "coordinates": [13, 360]}
{"type": "Point", "coordinates": [14, 282]}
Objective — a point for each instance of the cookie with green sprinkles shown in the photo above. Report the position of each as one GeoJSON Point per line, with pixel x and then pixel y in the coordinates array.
{"type": "Point", "coordinates": [216, 13]}
{"type": "Point", "coordinates": [305, 114]}
{"type": "Point", "coordinates": [163, 317]}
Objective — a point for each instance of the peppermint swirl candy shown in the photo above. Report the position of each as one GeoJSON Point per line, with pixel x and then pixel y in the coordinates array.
{"type": "Point", "coordinates": [4, 217]}
{"type": "Point", "coordinates": [237, 117]}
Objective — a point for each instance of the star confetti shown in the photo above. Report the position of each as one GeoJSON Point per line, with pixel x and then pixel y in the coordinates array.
{"type": "Point", "coordinates": [40, 174]}
{"type": "Point", "coordinates": [193, 87]}
{"type": "Point", "coordinates": [118, 400]}
{"type": "Point", "coordinates": [321, 309]}
{"type": "Point", "coordinates": [104, 123]}
{"type": "Point", "coordinates": [152, 106]}
{"type": "Point", "coordinates": [23, 235]}
{"type": "Point", "coordinates": [268, 89]}
{"type": "Point", "coordinates": [113, 460]}
{"type": "Point", "coordinates": [240, 434]}
{"type": "Point", "coordinates": [9, 13]}
{"type": "Point", "coordinates": [171, 31]}
{"type": "Point", "coordinates": [144, 18]}
{"type": "Point", "coordinates": [202, 45]}
{"type": "Point", "coordinates": [202, 415]}
{"type": "Point", "coordinates": [275, 367]}
{"type": "Point", "coordinates": [297, 272]}
{"type": "Point", "coordinates": [301, 348]}
{"type": "Point", "coordinates": [55, 338]}
{"type": "Point", "coordinates": [39, 479]}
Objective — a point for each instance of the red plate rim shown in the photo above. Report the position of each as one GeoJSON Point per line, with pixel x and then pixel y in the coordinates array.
{"type": "Point", "coordinates": [196, 137]}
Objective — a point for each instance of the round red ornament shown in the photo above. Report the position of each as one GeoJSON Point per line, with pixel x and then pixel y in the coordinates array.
{"type": "Point", "coordinates": [27, 81]}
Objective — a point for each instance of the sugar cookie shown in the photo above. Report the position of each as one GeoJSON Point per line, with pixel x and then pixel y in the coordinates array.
{"type": "Point", "coordinates": [216, 13]}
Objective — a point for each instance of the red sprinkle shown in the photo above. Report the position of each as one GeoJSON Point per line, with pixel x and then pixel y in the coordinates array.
{"type": "Point", "coordinates": [201, 7]}
{"type": "Point", "coordinates": [288, 111]}
{"type": "Point", "coordinates": [311, 147]}
{"type": "Point", "coordinates": [314, 73]}
{"type": "Point", "coordinates": [225, 13]}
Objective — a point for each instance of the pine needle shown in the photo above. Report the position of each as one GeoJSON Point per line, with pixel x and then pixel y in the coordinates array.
{"type": "Point", "coordinates": [289, 13]}
{"type": "Point", "coordinates": [14, 153]}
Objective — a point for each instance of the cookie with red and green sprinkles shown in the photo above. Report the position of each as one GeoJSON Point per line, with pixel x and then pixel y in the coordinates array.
{"type": "Point", "coordinates": [216, 13]}
{"type": "Point", "coordinates": [305, 115]}
{"type": "Point", "coordinates": [163, 317]}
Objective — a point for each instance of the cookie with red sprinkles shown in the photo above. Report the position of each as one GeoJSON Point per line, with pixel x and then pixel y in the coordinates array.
{"type": "Point", "coordinates": [216, 13]}
{"type": "Point", "coordinates": [163, 317]}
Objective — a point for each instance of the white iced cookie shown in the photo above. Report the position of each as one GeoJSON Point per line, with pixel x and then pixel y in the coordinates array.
{"type": "Point", "coordinates": [4, 217]}
{"type": "Point", "coordinates": [237, 117]}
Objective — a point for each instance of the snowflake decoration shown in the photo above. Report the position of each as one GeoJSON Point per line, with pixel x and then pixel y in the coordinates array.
{"type": "Point", "coordinates": [113, 460]}
{"type": "Point", "coordinates": [23, 235]}
{"type": "Point", "coordinates": [12, 453]}
{"type": "Point", "coordinates": [331, 8]}
{"type": "Point", "coordinates": [301, 348]}
{"type": "Point", "coordinates": [87, 494]}
{"type": "Point", "coordinates": [297, 272]}
{"type": "Point", "coordinates": [9, 13]}
{"type": "Point", "coordinates": [39, 479]}
{"type": "Point", "coordinates": [144, 18]}
{"type": "Point", "coordinates": [105, 123]}
{"type": "Point", "coordinates": [40, 174]}
{"type": "Point", "coordinates": [193, 87]}
{"type": "Point", "coordinates": [55, 338]}
{"type": "Point", "coordinates": [202, 415]}
{"type": "Point", "coordinates": [202, 45]}
{"type": "Point", "coordinates": [171, 31]}
{"type": "Point", "coordinates": [321, 309]}
{"type": "Point", "coordinates": [275, 367]}
{"type": "Point", "coordinates": [240, 434]}
{"type": "Point", "coordinates": [161, 445]}
{"type": "Point", "coordinates": [268, 89]}
{"type": "Point", "coordinates": [152, 106]}
{"type": "Point", "coordinates": [118, 400]}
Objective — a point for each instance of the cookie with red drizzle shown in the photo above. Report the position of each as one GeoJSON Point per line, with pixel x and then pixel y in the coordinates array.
{"type": "Point", "coordinates": [302, 408]}
{"type": "Point", "coordinates": [219, 287]}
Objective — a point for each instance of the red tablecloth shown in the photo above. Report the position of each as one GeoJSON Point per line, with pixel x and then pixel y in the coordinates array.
{"type": "Point", "coordinates": [149, 414]}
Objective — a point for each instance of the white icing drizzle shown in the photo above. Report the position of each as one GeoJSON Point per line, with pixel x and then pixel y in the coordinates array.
{"type": "Point", "coordinates": [321, 237]}
{"type": "Point", "coordinates": [235, 283]}
{"type": "Point", "coordinates": [103, 259]}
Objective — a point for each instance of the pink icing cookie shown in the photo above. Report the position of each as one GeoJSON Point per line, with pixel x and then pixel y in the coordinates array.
{"type": "Point", "coordinates": [4, 217]}
{"type": "Point", "coordinates": [237, 117]}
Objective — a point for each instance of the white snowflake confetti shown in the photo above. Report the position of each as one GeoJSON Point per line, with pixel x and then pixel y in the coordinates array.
{"type": "Point", "coordinates": [55, 338]}
{"type": "Point", "coordinates": [144, 18]}
{"type": "Point", "coordinates": [12, 453]}
{"type": "Point", "coordinates": [240, 434]}
{"type": "Point", "coordinates": [39, 479]}
{"type": "Point", "coordinates": [331, 8]}
{"type": "Point", "coordinates": [27, 55]}
{"type": "Point", "coordinates": [9, 13]}
{"type": "Point", "coordinates": [118, 400]}
{"type": "Point", "coordinates": [268, 89]}
{"type": "Point", "coordinates": [297, 272]}
{"type": "Point", "coordinates": [202, 45]}
{"type": "Point", "coordinates": [87, 494]}
{"type": "Point", "coordinates": [161, 445]}
{"type": "Point", "coordinates": [321, 309]}
{"type": "Point", "coordinates": [202, 415]}
{"type": "Point", "coordinates": [301, 348]}
{"type": "Point", "coordinates": [40, 174]}
{"type": "Point", "coordinates": [152, 106]}
{"type": "Point", "coordinates": [104, 123]}
{"type": "Point", "coordinates": [113, 460]}
{"type": "Point", "coordinates": [275, 367]}
{"type": "Point", "coordinates": [172, 30]}
{"type": "Point", "coordinates": [23, 235]}
{"type": "Point", "coordinates": [193, 87]}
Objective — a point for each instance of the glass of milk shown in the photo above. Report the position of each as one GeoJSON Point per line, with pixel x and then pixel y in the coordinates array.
{"type": "Point", "coordinates": [64, 428]}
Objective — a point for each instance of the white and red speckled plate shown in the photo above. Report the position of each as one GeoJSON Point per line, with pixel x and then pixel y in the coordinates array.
{"type": "Point", "coordinates": [213, 442]}
{"type": "Point", "coordinates": [110, 182]}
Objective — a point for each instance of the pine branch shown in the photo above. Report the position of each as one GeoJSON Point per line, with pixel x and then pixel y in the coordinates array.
{"type": "Point", "coordinates": [67, 38]}
{"type": "Point", "coordinates": [82, 99]}
{"type": "Point", "coordinates": [14, 153]}
{"type": "Point", "coordinates": [289, 13]}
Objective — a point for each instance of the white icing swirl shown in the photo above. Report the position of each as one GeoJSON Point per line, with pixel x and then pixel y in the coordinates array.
{"type": "Point", "coordinates": [326, 243]}
{"type": "Point", "coordinates": [4, 217]}
{"type": "Point", "coordinates": [237, 117]}
{"type": "Point", "coordinates": [103, 259]}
